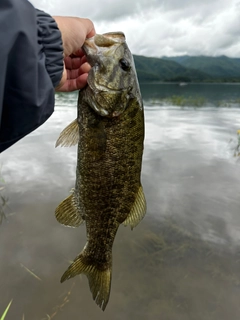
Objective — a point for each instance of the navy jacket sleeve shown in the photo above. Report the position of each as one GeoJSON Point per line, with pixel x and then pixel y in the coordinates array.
{"type": "Point", "coordinates": [31, 65]}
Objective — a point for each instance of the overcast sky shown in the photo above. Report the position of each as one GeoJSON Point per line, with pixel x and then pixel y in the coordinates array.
{"type": "Point", "coordinates": [162, 27]}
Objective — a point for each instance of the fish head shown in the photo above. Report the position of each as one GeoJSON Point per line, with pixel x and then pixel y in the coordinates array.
{"type": "Point", "coordinates": [112, 79]}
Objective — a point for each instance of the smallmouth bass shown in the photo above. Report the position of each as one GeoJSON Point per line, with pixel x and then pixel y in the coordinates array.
{"type": "Point", "coordinates": [109, 131]}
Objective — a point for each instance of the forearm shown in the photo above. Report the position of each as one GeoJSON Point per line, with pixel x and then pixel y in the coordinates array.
{"type": "Point", "coordinates": [50, 46]}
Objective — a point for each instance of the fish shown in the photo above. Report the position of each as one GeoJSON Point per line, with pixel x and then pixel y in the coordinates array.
{"type": "Point", "coordinates": [109, 131]}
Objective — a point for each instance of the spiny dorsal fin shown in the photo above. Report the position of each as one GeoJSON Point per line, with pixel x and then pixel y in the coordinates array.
{"type": "Point", "coordinates": [69, 136]}
{"type": "Point", "coordinates": [67, 213]}
{"type": "Point", "coordinates": [138, 210]}
{"type": "Point", "coordinates": [99, 280]}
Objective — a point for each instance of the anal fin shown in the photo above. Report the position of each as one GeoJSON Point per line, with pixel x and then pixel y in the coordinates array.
{"type": "Point", "coordinates": [69, 136]}
{"type": "Point", "coordinates": [67, 213]}
{"type": "Point", "coordinates": [138, 210]}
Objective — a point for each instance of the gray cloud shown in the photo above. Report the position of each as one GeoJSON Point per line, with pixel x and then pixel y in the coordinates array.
{"type": "Point", "coordinates": [158, 27]}
{"type": "Point", "coordinates": [99, 11]}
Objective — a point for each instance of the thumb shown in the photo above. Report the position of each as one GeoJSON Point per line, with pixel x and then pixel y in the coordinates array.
{"type": "Point", "coordinates": [74, 32]}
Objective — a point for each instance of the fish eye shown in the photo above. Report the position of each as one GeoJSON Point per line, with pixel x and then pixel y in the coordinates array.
{"type": "Point", "coordinates": [124, 64]}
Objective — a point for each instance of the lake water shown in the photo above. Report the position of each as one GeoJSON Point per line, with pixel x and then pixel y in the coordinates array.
{"type": "Point", "coordinates": [182, 262]}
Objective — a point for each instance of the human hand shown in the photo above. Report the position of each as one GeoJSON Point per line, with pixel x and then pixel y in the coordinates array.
{"type": "Point", "coordinates": [74, 32]}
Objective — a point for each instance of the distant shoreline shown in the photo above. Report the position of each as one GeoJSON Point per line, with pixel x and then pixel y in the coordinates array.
{"type": "Point", "coordinates": [188, 69]}
{"type": "Point", "coordinates": [188, 83]}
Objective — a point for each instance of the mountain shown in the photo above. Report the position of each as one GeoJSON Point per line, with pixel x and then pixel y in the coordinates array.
{"type": "Point", "coordinates": [221, 67]}
{"type": "Point", "coordinates": [157, 69]}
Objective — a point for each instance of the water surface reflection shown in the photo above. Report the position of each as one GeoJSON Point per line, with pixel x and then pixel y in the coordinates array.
{"type": "Point", "coordinates": [181, 262]}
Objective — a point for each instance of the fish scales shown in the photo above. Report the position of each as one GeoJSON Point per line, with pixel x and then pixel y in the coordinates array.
{"type": "Point", "coordinates": [108, 191]}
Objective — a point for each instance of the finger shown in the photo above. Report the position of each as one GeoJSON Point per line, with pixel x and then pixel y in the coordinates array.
{"type": "Point", "coordinates": [75, 73]}
{"type": "Point", "coordinates": [81, 81]}
{"type": "Point", "coordinates": [74, 62]}
{"type": "Point", "coordinates": [89, 28]}
{"type": "Point", "coordinates": [91, 33]}
{"type": "Point", "coordinates": [75, 84]}
{"type": "Point", "coordinates": [85, 68]}
{"type": "Point", "coordinates": [68, 62]}
{"type": "Point", "coordinates": [84, 59]}
{"type": "Point", "coordinates": [79, 53]}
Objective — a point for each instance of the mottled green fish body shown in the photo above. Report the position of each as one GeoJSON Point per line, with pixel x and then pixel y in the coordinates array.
{"type": "Point", "coordinates": [109, 131]}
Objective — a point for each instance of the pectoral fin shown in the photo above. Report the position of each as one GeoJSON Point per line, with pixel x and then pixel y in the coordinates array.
{"type": "Point", "coordinates": [69, 136]}
{"type": "Point", "coordinates": [138, 210]}
{"type": "Point", "coordinates": [67, 213]}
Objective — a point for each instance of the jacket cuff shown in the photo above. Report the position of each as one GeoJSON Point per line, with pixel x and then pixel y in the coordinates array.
{"type": "Point", "coordinates": [50, 41]}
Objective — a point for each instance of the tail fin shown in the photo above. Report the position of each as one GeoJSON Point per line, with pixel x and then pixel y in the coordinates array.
{"type": "Point", "coordinates": [99, 280]}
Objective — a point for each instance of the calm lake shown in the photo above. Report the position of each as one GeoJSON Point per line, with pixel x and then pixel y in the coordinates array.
{"type": "Point", "coordinates": [182, 262]}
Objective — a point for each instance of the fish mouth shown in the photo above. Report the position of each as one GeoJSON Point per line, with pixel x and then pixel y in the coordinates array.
{"type": "Point", "coordinates": [94, 45]}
